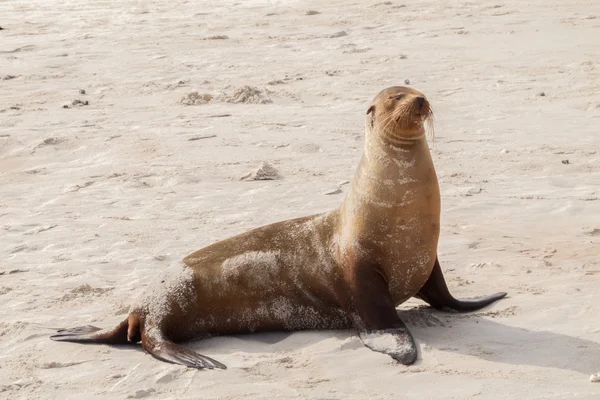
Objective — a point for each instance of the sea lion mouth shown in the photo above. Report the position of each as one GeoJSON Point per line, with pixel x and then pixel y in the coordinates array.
{"type": "Point", "coordinates": [411, 119]}
{"type": "Point", "coordinates": [410, 123]}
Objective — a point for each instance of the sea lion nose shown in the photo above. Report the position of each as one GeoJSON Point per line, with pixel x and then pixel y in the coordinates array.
{"type": "Point", "coordinates": [420, 101]}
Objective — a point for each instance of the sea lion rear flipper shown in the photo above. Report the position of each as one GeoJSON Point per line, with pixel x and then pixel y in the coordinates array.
{"type": "Point", "coordinates": [154, 343]}
{"type": "Point", "coordinates": [436, 293]}
{"type": "Point", "coordinates": [374, 316]}
{"type": "Point", "coordinates": [79, 334]}
{"type": "Point", "coordinates": [92, 334]}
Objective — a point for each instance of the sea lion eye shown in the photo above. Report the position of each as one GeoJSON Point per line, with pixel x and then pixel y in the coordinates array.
{"type": "Point", "coordinates": [399, 97]}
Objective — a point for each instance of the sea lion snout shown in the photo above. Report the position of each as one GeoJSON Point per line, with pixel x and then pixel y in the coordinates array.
{"type": "Point", "coordinates": [420, 100]}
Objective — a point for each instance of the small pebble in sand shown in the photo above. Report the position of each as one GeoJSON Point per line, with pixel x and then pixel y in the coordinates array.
{"type": "Point", "coordinates": [140, 394]}
{"type": "Point", "coordinates": [312, 12]}
{"type": "Point", "coordinates": [201, 137]}
{"type": "Point", "coordinates": [216, 37]}
{"type": "Point", "coordinates": [541, 94]}
{"type": "Point", "coordinates": [504, 151]}
{"type": "Point", "coordinates": [333, 191]}
{"type": "Point", "coordinates": [473, 191]}
{"type": "Point", "coordinates": [565, 161]}
{"type": "Point", "coordinates": [265, 172]}
{"type": "Point", "coordinates": [76, 103]}
{"type": "Point", "coordinates": [81, 91]}
{"type": "Point", "coordinates": [407, 81]}
{"type": "Point", "coordinates": [51, 141]}
{"type": "Point", "coordinates": [595, 377]}
{"type": "Point", "coordinates": [338, 34]}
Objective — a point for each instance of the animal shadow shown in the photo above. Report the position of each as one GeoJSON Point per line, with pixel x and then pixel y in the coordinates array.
{"type": "Point", "coordinates": [472, 335]}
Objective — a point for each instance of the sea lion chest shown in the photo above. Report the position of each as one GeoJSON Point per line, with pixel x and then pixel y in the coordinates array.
{"type": "Point", "coordinates": [395, 215]}
{"type": "Point", "coordinates": [404, 241]}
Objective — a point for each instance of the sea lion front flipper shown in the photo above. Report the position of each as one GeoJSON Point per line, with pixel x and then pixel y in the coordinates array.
{"type": "Point", "coordinates": [436, 293]}
{"type": "Point", "coordinates": [154, 343]}
{"type": "Point", "coordinates": [374, 316]}
{"type": "Point", "coordinates": [397, 343]}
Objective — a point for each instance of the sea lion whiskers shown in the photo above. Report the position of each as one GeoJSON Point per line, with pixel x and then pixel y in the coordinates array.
{"type": "Point", "coordinates": [387, 122]}
{"type": "Point", "coordinates": [430, 126]}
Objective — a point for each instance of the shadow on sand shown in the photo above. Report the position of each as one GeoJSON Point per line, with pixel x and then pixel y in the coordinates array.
{"type": "Point", "coordinates": [472, 335]}
{"type": "Point", "coordinates": [467, 334]}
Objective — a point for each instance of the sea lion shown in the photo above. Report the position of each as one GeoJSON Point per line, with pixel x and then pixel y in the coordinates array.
{"type": "Point", "coordinates": [349, 267]}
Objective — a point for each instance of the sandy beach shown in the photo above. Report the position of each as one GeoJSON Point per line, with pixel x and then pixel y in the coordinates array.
{"type": "Point", "coordinates": [126, 127]}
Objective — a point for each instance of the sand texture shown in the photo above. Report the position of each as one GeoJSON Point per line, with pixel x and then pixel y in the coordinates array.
{"type": "Point", "coordinates": [135, 132]}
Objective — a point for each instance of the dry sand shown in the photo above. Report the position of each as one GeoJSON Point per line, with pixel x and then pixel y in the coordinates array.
{"type": "Point", "coordinates": [98, 198]}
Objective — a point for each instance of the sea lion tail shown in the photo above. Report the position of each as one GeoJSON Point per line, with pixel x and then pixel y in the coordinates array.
{"type": "Point", "coordinates": [127, 332]}
{"type": "Point", "coordinates": [154, 342]}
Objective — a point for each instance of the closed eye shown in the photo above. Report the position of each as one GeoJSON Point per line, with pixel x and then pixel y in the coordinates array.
{"type": "Point", "coordinates": [398, 97]}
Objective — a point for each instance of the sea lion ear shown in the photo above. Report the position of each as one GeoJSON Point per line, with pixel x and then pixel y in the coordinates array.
{"type": "Point", "coordinates": [370, 110]}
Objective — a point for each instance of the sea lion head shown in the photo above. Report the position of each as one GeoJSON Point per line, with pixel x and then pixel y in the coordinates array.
{"type": "Point", "coordinates": [398, 115]}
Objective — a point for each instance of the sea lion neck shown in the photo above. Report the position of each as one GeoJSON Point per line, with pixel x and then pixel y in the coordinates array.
{"type": "Point", "coordinates": [395, 145]}
{"type": "Point", "coordinates": [386, 175]}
